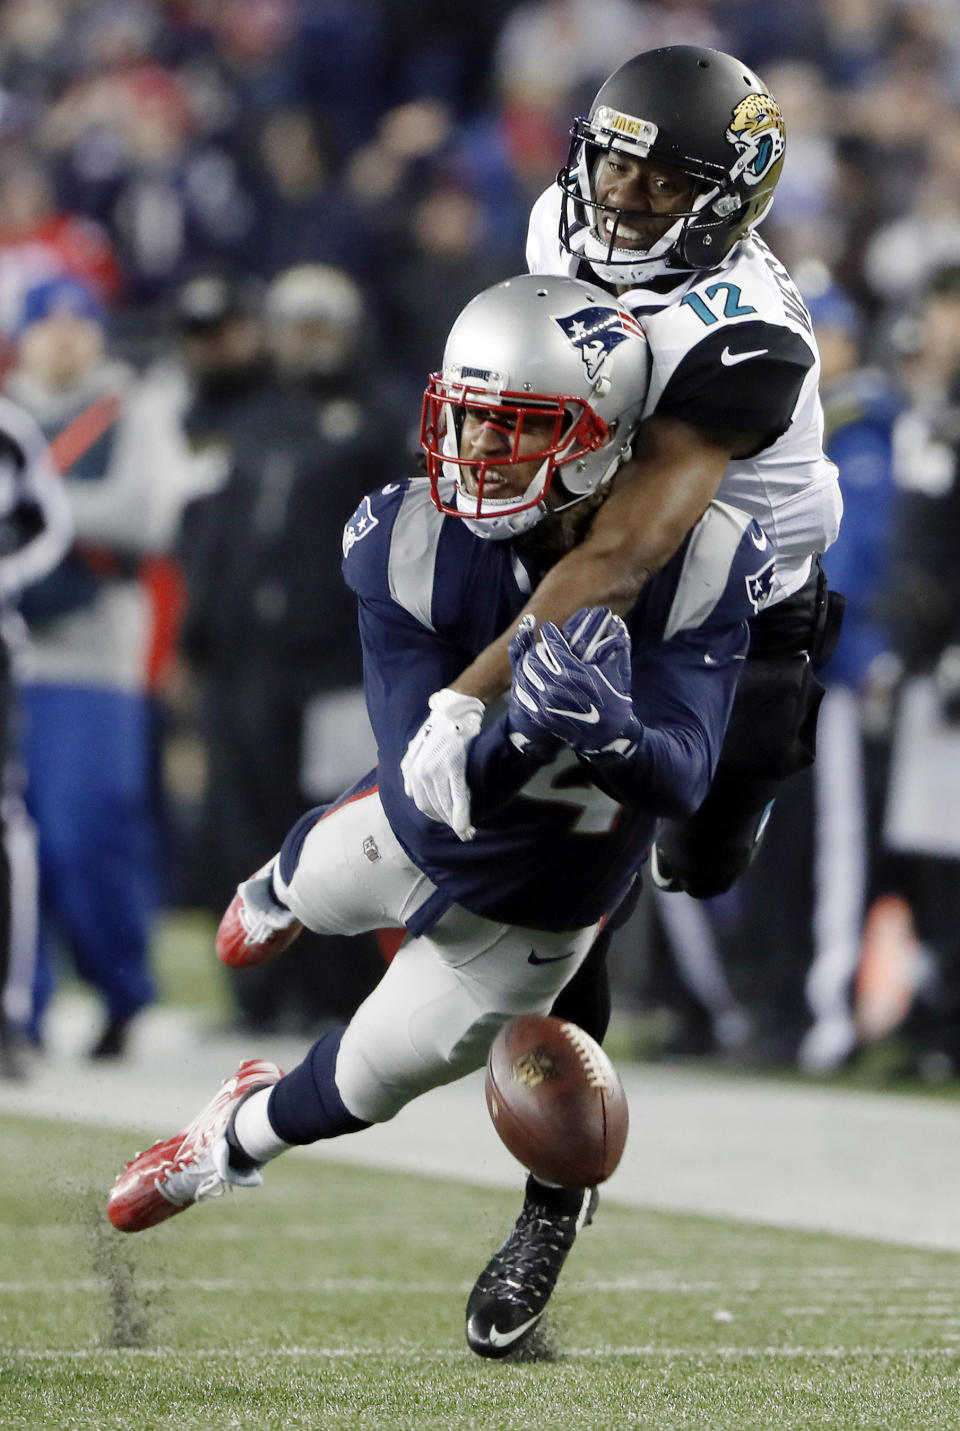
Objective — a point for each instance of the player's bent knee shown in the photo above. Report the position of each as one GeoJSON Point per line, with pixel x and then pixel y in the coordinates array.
{"type": "Point", "coordinates": [707, 868]}
{"type": "Point", "coordinates": [708, 884]}
{"type": "Point", "coordinates": [376, 1080]}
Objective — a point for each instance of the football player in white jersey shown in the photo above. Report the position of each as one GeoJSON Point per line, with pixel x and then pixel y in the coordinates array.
{"type": "Point", "coordinates": [666, 180]}
{"type": "Point", "coordinates": [659, 203]}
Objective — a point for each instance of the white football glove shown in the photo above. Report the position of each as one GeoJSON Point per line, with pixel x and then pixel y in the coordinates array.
{"type": "Point", "coordinates": [434, 768]}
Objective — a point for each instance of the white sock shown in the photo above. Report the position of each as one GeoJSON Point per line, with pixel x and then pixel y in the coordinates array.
{"type": "Point", "coordinates": [254, 1131]}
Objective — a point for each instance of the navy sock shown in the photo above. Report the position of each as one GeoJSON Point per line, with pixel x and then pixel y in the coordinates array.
{"type": "Point", "coordinates": [305, 1105]}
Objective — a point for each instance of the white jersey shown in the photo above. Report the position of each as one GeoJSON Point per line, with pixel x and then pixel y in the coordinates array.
{"type": "Point", "coordinates": [733, 347]}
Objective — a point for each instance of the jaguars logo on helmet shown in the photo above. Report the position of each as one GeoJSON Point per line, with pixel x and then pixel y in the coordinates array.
{"type": "Point", "coordinates": [757, 130]}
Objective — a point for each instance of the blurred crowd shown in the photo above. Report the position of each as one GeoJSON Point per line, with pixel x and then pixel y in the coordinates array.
{"type": "Point", "coordinates": [233, 235]}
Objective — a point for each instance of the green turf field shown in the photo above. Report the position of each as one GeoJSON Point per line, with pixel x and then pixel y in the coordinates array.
{"type": "Point", "coordinates": [333, 1298]}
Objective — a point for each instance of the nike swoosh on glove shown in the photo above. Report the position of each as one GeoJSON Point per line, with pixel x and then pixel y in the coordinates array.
{"type": "Point", "coordinates": [525, 731]}
{"type": "Point", "coordinates": [573, 687]}
{"type": "Point", "coordinates": [434, 767]}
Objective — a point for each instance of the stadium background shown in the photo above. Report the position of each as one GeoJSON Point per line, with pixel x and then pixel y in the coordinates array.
{"type": "Point", "coordinates": [389, 137]}
{"type": "Point", "coordinates": [732, 1281]}
{"type": "Point", "coordinates": [143, 143]}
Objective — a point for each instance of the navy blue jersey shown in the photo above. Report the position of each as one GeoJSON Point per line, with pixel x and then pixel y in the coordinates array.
{"type": "Point", "coordinates": [558, 845]}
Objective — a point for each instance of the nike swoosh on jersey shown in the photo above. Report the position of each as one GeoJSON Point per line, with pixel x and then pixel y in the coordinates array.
{"type": "Point", "coordinates": [709, 660]}
{"type": "Point", "coordinates": [504, 1339]}
{"type": "Point", "coordinates": [728, 359]}
{"type": "Point", "coordinates": [589, 717]}
{"type": "Point", "coordinates": [534, 958]}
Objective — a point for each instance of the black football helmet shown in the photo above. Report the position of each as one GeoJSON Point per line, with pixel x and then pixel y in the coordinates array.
{"type": "Point", "coordinates": [696, 110]}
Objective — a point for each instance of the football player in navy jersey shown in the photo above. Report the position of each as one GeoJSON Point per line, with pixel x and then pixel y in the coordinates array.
{"type": "Point", "coordinates": [609, 724]}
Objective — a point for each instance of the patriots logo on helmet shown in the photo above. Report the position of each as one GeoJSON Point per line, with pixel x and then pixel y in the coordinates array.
{"type": "Point", "coordinates": [760, 585]}
{"type": "Point", "coordinates": [596, 332]}
{"type": "Point", "coordinates": [360, 525]}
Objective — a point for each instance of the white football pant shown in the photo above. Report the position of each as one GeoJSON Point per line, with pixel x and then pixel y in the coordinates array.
{"type": "Point", "coordinates": [438, 1007]}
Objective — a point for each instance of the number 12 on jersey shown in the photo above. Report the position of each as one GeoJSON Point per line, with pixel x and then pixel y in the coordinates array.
{"type": "Point", "coordinates": [732, 307]}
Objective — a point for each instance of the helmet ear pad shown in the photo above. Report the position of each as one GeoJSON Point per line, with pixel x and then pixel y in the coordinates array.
{"type": "Point", "coordinates": [706, 240]}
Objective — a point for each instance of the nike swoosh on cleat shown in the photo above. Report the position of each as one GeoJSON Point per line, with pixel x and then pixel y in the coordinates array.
{"type": "Point", "coordinates": [728, 359]}
{"type": "Point", "coordinates": [505, 1339]}
{"type": "Point", "coordinates": [589, 717]}
{"type": "Point", "coordinates": [534, 958]}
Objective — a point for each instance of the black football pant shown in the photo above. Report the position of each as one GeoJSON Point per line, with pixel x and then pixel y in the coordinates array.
{"type": "Point", "coordinates": [771, 735]}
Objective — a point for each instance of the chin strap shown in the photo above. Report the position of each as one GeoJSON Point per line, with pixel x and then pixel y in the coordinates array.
{"type": "Point", "coordinates": [640, 267]}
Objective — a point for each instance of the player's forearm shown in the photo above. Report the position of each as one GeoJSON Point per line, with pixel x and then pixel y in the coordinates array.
{"type": "Point", "coordinates": [489, 675]}
{"type": "Point", "coordinates": [585, 577]}
{"type": "Point", "coordinates": [655, 501]}
{"type": "Point", "coordinates": [667, 773]}
{"type": "Point", "coordinates": [497, 771]}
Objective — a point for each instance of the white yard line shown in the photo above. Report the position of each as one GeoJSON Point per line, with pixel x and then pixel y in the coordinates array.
{"type": "Point", "coordinates": [925, 1306]}
{"type": "Point", "coordinates": [865, 1164]}
{"type": "Point", "coordinates": [432, 1354]}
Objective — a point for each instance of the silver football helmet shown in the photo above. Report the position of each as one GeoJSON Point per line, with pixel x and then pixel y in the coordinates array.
{"type": "Point", "coordinates": [551, 347]}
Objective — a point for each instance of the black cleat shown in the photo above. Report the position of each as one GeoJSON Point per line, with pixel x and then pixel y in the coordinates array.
{"type": "Point", "coordinates": [512, 1291]}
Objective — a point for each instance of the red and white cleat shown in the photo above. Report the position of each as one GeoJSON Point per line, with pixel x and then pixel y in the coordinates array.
{"type": "Point", "coordinates": [191, 1166]}
{"type": "Point", "coordinates": [255, 927]}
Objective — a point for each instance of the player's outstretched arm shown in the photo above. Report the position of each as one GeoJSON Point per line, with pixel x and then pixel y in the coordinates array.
{"type": "Point", "coordinates": [571, 688]}
{"type": "Point", "coordinates": [575, 687]}
{"type": "Point", "coordinates": [657, 497]}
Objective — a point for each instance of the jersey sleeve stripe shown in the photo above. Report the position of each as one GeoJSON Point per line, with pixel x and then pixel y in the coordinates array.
{"type": "Point", "coordinates": [706, 566]}
{"type": "Point", "coordinates": [413, 555]}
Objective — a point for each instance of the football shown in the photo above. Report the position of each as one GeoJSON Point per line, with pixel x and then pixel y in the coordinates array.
{"type": "Point", "coordinates": [556, 1101]}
